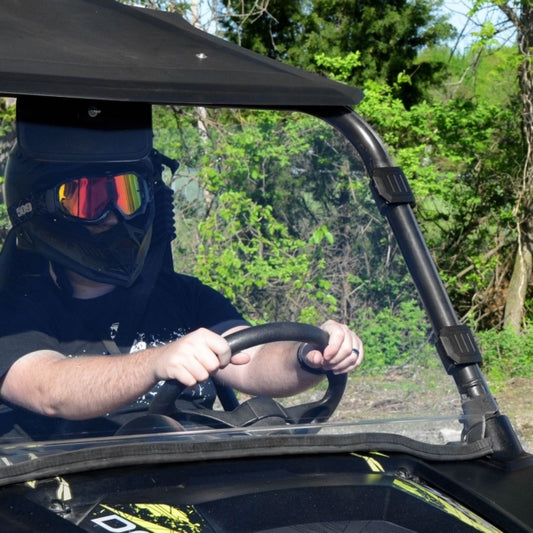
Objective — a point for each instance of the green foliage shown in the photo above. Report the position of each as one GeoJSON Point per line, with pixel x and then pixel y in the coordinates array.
{"type": "Point", "coordinates": [339, 68]}
{"type": "Point", "coordinates": [457, 155]}
{"type": "Point", "coordinates": [7, 121]}
{"type": "Point", "coordinates": [4, 220]}
{"type": "Point", "coordinates": [239, 197]}
{"type": "Point", "coordinates": [250, 257]}
{"type": "Point", "coordinates": [507, 354]}
{"type": "Point", "coordinates": [387, 35]}
{"type": "Point", "coordinates": [278, 190]}
{"type": "Point", "coordinates": [395, 337]}
{"type": "Point", "coordinates": [477, 73]}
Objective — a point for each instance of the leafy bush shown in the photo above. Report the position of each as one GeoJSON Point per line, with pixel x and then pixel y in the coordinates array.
{"type": "Point", "coordinates": [250, 257]}
{"type": "Point", "coordinates": [395, 337]}
{"type": "Point", "coordinates": [507, 354]}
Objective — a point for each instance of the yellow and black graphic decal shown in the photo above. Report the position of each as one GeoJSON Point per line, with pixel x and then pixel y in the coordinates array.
{"type": "Point", "coordinates": [372, 461]}
{"type": "Point", "coordinates": [145, 518]}
{"type": "Point", "coordinates": [450, 507]}
{"type": "Point", "coordinates": [429, 496]}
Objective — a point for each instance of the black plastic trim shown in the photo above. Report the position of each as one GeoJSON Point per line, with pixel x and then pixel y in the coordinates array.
{"type": "Point", "coordinates": [127, 453]}
{"type": "Point", "coordinates": [459, 345]}
{"type": "Point", "coordinates": [392, 185]}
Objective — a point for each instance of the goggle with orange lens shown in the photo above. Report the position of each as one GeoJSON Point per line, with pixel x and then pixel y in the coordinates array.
{"type": "Point", "coordinates": [90, 199]}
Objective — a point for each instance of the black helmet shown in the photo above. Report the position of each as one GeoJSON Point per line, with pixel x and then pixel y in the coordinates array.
{"type": "Point", "coordinates": [50, 161]}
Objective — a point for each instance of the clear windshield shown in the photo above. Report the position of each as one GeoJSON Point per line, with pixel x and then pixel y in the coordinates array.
{"type": "Point", "coordinates": [274, 211]}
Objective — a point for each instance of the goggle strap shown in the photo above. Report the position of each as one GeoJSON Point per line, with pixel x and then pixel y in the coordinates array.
{"type": "Point", "coordinates": [29, 207]}
{"type": "Point", "coordinates": [50, 200]}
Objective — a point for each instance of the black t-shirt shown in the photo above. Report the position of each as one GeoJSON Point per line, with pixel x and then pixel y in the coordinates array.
{"type": "Point", "coordinates": [36, 315]}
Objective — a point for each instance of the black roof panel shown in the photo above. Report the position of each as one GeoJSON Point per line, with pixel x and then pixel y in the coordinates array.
{"type": "Point", "coordinates": [106, 50]}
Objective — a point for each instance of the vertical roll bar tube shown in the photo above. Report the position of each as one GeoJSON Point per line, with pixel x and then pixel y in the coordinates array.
{"type": "Point", "coordinates": [477, 399]}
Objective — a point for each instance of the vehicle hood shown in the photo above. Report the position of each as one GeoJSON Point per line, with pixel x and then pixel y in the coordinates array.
{"type": "Point", "coordinates": [345, 487]}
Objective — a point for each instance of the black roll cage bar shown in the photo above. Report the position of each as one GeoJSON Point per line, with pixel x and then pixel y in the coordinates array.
{"type": "Point", "coordinates": [455, 342]}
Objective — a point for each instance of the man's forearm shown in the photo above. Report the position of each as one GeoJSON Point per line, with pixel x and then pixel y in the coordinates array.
{"type": "Point", "coordinates": [87, 386]}
{"type": "Point", "coordinates": [273, 371]}
{"type": "Point", "coordinates": [77, 388]}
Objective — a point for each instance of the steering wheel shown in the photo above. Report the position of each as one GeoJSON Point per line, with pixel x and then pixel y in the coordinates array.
{"type": "Point", "coordinates": [259, 410]}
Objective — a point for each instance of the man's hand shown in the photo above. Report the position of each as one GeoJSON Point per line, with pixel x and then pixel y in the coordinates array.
{"type": "Point", "coordinates": [194, 358]}
{"type": "Point", "coordinates": [343, 353]}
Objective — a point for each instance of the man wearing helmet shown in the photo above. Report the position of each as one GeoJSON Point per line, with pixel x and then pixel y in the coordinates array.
{"type": "Point", "coordinates": [92, 315]}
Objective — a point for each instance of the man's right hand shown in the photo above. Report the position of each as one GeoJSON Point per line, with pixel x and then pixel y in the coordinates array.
{"type": "Point", "coordinates": [193, 358]}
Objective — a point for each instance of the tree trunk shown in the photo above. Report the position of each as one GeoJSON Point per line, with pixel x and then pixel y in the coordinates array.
{"type": "Point", "coordinates": [518, 285]}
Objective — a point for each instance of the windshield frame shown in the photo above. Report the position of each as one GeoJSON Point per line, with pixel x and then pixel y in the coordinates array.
{"type": "Point", "coordinates": [394, 199]}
